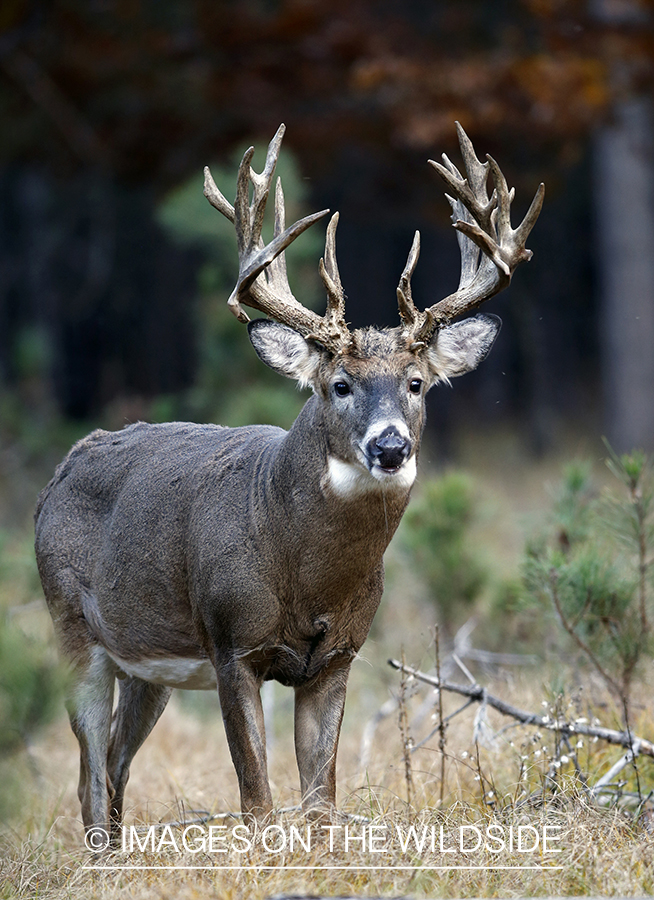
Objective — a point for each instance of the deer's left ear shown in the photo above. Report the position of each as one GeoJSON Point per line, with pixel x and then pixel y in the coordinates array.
{"type": "Point", "coordinates": [285, 350]}
{"type": "Point", "coordinates": [459, 348]}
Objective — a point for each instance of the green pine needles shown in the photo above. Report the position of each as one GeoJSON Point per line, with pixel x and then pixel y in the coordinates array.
{"type": "Point", "coordinates": [435, 534]}
{"type": "Point", "coordinates": [595, 562]}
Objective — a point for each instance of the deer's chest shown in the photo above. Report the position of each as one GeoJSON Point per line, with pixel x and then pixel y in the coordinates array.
{"type": "Point", "coordinates": [301, 660]}
{"type": "Point", "coordinates": [310, 642]}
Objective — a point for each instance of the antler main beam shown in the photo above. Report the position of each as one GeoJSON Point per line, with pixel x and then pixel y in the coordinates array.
{"type": "Point", "coordinates": [262, 280]}
{"type": "Point", "coordinates": [490, 248]}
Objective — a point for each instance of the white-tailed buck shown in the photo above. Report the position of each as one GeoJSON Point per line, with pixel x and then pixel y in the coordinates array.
{"type": "Point", "coordinates": [195, 556]}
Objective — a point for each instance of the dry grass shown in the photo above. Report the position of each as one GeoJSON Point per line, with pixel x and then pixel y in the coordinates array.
{"type": "Point", "coordinates": [185, 766]}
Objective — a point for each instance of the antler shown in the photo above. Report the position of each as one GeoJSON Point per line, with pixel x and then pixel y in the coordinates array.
{"type": "Point", "coordinates": [483, 224]}
{"type": "Point", "coordinates": [262, 280]}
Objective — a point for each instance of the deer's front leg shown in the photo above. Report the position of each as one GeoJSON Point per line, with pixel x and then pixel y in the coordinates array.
{"type": "Point", "coordinates": [238, 688]}
{"type": "Point", "coordinates": [318, 716]}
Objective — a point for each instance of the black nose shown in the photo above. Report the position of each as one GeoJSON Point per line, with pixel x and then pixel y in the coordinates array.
{"type": "Point", "coordinates": [390, 449]}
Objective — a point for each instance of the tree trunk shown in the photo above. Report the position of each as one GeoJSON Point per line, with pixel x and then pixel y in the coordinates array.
{"type": "Point", "coordinates": [624, 191]}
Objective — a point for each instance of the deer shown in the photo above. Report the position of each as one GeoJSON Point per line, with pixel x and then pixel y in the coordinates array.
{"type": "Point", "coordinates": [200, 557]}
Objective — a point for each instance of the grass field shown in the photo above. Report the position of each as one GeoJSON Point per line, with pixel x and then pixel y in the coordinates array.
{"type": "Point", "coordinates": [401, 833]}
{"type": "Point", "coordinates": [185, 766]}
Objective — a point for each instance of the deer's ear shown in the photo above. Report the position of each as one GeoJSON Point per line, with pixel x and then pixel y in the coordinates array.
{"type": "Point", "coordinates": [285, 350]}
{"type": "Point", "coordinates": [459, 348]}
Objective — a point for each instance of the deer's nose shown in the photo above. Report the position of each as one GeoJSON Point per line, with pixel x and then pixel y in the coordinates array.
{"type": "Point", "coordinates": [390, 449]}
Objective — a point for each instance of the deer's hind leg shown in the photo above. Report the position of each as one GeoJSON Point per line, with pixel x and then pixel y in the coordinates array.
{"type": "Point", "coordinates": [89, 708]}
{"type": "Point", "coordinates": [140, 703]}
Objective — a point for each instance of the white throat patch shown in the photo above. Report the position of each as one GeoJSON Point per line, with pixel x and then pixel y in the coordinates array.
{"type": "Point", "coordinates": [349, 480]}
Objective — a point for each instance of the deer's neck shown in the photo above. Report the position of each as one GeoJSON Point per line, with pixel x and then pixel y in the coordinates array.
{"type": "Point", "coordinates": [336, 503]}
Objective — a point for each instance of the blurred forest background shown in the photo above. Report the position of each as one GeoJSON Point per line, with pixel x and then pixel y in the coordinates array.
{"type": "Point", "coordinates": [114, 270]}
{"type": "Point", "coordinates": [113, 275]}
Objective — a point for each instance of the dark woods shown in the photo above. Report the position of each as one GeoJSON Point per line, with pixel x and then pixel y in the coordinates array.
{"type": "Point", "coordinates": [109, 105]}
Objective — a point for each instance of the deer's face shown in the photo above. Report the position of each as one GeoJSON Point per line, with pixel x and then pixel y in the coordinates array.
{"type": "Point", "coordinates": [374, 408]}
{"type": "Point", "coordinates": [373, 394]}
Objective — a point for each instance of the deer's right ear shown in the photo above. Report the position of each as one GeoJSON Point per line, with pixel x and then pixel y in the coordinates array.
{"type": "Point", "coordinates": [285, 350]}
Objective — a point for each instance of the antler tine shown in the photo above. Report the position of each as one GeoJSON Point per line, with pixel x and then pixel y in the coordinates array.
{"type": "Point", "coordinates": [254, 214]}
{"type": "Point", "coordinates": [468, 249]}
{"type": "Point", "coordinates": [262, 280]}
{"type": "Point", "coordinates": [330, 275]}
{"type": "Point", "coordinates": [408, 312]}
{"type": "Point", "coordinates": [333, 331]}
{"type": "Point", "coordinates": [523, 230]}
{"type": "Point", "coordinates": [275, 274]}
{"type": "Point", "coordinates": [215, 197]}
{"type": "Point", "coordinates": [476, 175]}
{"type": "Point", "coordinates": [471, 190]}
{"type": "Point", "coordinates": [483, 223]}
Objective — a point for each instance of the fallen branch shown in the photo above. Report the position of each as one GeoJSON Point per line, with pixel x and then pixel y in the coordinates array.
{"type": "Point", "coordinates": [624, 761]}
{"type": "Point", "coordinates": [637, 746]}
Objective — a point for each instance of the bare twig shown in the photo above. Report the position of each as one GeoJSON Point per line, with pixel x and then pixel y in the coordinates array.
{"type": "Point", "coordinates": [582, 612]}
{"type": "Point", "coordinates": [633, 759]}
{"type": "Point", "coordinates": [438, 726]}
{"type": "Point", "coordinates": [441, 722]}
{"type": "Point", "coordinates": [406, 740]}
{"type": "Point", "coordinates": [463, 649]}
{"type": "Point", "coordinates": [572, 753]}
{"type": "Point", "coordinates": [466, 671]}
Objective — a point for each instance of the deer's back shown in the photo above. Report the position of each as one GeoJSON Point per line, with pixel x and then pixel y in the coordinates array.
{"type": "Point", "coordinates": [150, 461]}
{"type": "Point", "coordinates": [119, 514]}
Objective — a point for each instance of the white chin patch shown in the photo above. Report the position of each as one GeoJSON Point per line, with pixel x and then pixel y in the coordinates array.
{"type": "Point", "coordinates": [348, 480]}
{"type": "Point", "coordinates": [174, 671]}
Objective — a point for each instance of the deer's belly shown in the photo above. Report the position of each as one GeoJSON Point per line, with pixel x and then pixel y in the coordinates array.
{"type": "Point", "coordinates": [173, 671]}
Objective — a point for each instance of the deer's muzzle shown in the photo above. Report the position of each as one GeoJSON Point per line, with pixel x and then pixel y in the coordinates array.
{"type": "Point", "coordinates": [389, 450]}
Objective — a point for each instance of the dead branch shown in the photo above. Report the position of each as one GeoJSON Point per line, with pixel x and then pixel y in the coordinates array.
{"type": "Point", "coordinates": [608, 777]}
{"type": "Point", "coordinates": [638, 746]}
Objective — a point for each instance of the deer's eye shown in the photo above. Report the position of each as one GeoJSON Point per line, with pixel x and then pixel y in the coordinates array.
{"type": "Point", "coordinates": [415, 385]}
{"type": "Point", "coordinates": [342, 388]}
